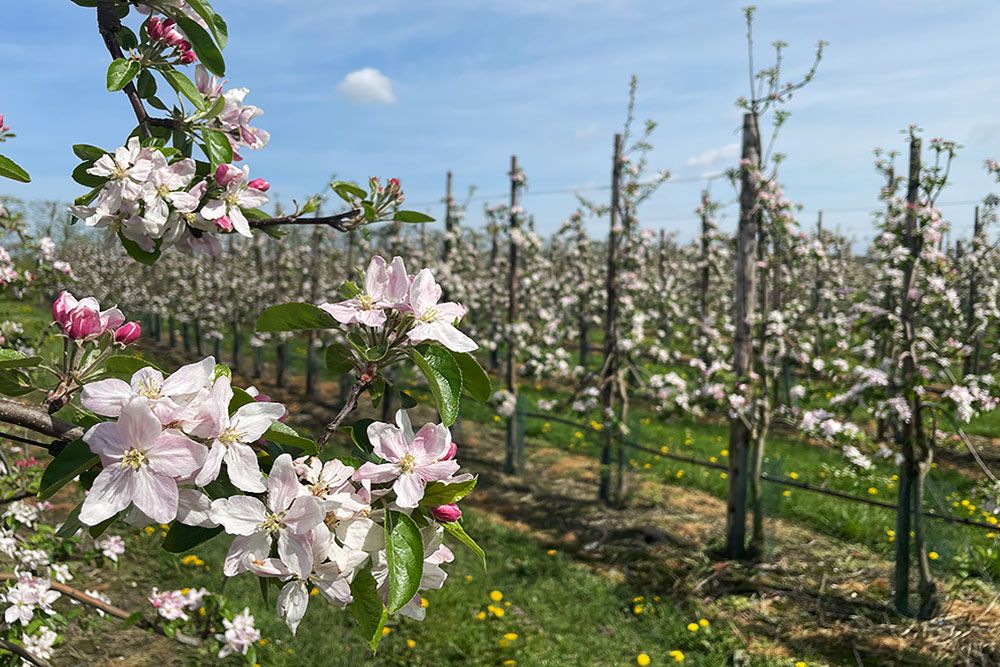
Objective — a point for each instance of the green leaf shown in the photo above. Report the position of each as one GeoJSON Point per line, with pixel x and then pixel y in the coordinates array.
{"type": "Point", "coordinates": [296, 316]}
{"type": "Point", "coordinates": [183, 85]}
{"type": "Point", "coordinates": [367, 609]}
{"type": "Point", "coordinates": [145, 85]}
{"type": "Point", "coordinates": [132, 619]}
{"type": "Point", "coordinates": [98, 530]}
{"type": "Point", "coordinates": [181, 537]}
{"type": "Point", "coordinates": [359, 434]}
{"type": "Point", "coordinates": [339, 358]}
{"type": "Point", "coordinates": [215, 24]}
{"type": "Point", "coordinates": [208, 53]}
{"type": "Point", "coordinates": [240, 398]}
{"type": "Point", "coordinates": [71, 526]}
{"type": "Point", "coordinates": [217, 147]}
{"type": "Point", "coordinates": [10, 169]}
{"type": "Point", "coordinates": [125, 365]}
{"type": "Point", "coordinates": [81, 176]}
{"type": "Point", "coordinates": [444, 377]}
{"type": "Point", "coordinates": [455, 529]}
{"type": "Point", "coordinates": [349, 289]}
{"type": "Point", "coordinates": [137, 253]}
{"type": "Point", "coordinates": [121, 71]}
{"type": "Point", "coordinates": [475, 381]}
{"type": "Point", "coordinates": [15, 382]}
{"type": "Point", "coordinates": [88, 153]}
{"type": "Point", "coordinates": [285, 435]}
{"type": "Point", "coordinates": [404, 553]}
{"type": "Point", "coordinates": [14, 359]}
{"type": "Point", "coordinates": [411, 216]}
{"type": "Point", "coordinates": [348, 191]}
{"type": "Point", "coordinates": [438, 493]}
{"type": "Point", "coordinates": [64, 468]}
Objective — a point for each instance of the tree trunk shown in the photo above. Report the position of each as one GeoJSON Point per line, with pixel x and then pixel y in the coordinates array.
{"type": "Point", "coordinates": [611, 360]}
{"type": "Point", "coordinates": [745, 288]}
{"type": "Point", "coordinates": [511, 465]}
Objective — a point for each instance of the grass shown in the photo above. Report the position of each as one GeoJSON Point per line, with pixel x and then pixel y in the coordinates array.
{"type": "Point", "coordinates": [561, 612]}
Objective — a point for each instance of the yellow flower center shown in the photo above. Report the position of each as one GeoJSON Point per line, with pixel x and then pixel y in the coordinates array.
{"type": "Point", "coordinates": [134, 459]}
{"type": "Point", "coordinates": [229, 436]}
{"type": "Point", "coordinates": [366, 302]}
{"type": "Point", "coordinates": [231, 199]}
{"type": "Point", "coordinates": [162, 190]}
{"type": "Point", "coordinates": [429, 315]}
{"type": "Point", "coordinates": [273, 523]}
{"type": "Point", "coordinates": [149, 388]}
{"type": "Point", "coordinates": [408, 463]}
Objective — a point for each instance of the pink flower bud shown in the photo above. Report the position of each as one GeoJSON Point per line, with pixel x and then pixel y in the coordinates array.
{"type": "Point", "coordinates": [173, 38]}
{"type": "Point", "coordinates": [188, 57]}
{"type": "Point", "coordinates": [84, 323]}
{"type": "Point", "coordinates": [128, 333]}
{"type": "Point", "coordinates": [450, 454]}
{"type": "Point", "coordinates": [226, 174]}
{"type": "Point", "coordinates": [224, 223]}
{"type": "Point", "coordinates": [62, 307]}
{"type": "Point", "coordinates": [184, 45]}
{"type": "Point", "coordinates": [447, 513]}
{"type": "Point", "coordinates": [154, 28]}
{"type": "Point", "coordinates": [259, 184]}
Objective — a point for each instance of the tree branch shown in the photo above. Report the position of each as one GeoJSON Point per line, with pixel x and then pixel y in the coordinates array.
{"type": "Point", "coordinates": [336, 221]}
{"type": "Point", "coordinates": [349, 406]}
{"type": "Point", "coordinates": [108, 24]}
{"type": "Point", "coordinates": [24, 654]}
{"type": "Point", "coordinates": [109, 609]}
{"type": "Point", "coordinates": [38, 420]}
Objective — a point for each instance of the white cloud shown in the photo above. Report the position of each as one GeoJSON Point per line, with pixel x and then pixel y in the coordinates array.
{"type": "Point", "coordinates": [367, 86]}
{"type": "Point", "coordinates": [714, 155]}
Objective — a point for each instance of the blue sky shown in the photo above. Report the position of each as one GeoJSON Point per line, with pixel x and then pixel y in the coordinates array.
{"type": "Point", "coordinates": [473, 82]}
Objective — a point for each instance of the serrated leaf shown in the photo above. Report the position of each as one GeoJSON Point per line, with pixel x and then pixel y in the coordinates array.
{"type": "Point", "coordinates": [204, 46]}
{"type": "Point", "coordinates": [218, 150]}
{"type": "Point", "coordinates": [475, 381]}
{"type": "Point", "coordinates": [296, 316]}
{"type": "Point", "coordinates": [438, 493]}
{"type": "Point", "coordinates": [126, 365]}
{"type": "Point", "coordinates": [10, 169]}
{"type": "Point", "coordinates": [404, 552]}
{"type": "Point", "coordinates": [74, 459]}
{"type": "Point", "coordinates": [412, 217]}
{"type": "Point", "coordinates": [339, 359]}
{"type": "Point", "coordinates": [444, 377]}
{"type": "Point", "coordinates": [367, 609]}
{"type": "Point", "coordinates": [183, 85]}
{"type": "Point", "coordinates": [455, 529]}
{"type": "Point", "coordinates": [14, 359]}
{"type": "Point", "coordinates": [121, 71]}
{"type": "Point", "coordinates": [88, 153]}
{"type": "Point", "coordinates": [283, 434]}
{"type": "Point", "coordinates": [181, 537]}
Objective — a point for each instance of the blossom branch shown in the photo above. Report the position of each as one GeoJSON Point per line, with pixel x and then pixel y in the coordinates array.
{"type": "Point", "coordinates": [339, 221]}
{"type": "Point", "coordinates": [39, 421]}
{"type": "Point", "coordinates": [349, 406]}
{"type": "Point", "coordinates": [24, 654]}
{"type": "Point", "coordinates": [109, 609]}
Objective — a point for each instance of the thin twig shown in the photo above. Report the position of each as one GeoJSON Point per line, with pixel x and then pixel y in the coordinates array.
{"type": "Point", "coordinates": [349, 407]}
{"type": "Point", "coordinates": [109, 609]}
{"type": "Point", "coordinates": [336, 221]}
{"type": "Point", "coordinates": [23, 653]}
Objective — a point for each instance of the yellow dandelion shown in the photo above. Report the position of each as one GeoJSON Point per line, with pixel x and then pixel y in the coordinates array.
{"type": "Point", "coordinates": [642, 659]}
{"type": "Point", "coordinates": [678, 656]}
{"type": "Point", "coordinates": [692, 627]}
{"type": "Point", "coordinates": [680, 473]}
{"type": "Point", "coordinates": [933, 555]}
{"type": "Point", "coordinates": [496, 418]}
{"type": "Point", "coordinates": [510, 636]}
{"type": "Point", "coordinates": [872, 491]}
{"type": "Point", "coordinates": [703, 622]}
{"type": "Point", "coordinates": [496, 596]}
{"type": "Point", "coordinates": [410, 643]}
{"type": "Point", "coordinates": [424, 602]}
{"type": "Point", "coordinates": [596, 425]}
{"type": "Point", "coordinates": [793, 475]}
{"type": "Point", "coordinates": [712, 459]}
{"type": "Point", "coordinates": [386, 630]}
{"type": "Point", "coordinates": [724, 452]}
{"type": "Point", "coordinates": [481, 616]}
{"type": "Point", "coordinates": [637, 609]}
{"type": "Point", "coordinates": [786, 493]}
{"type": "Point", "coordinates": [261, 642]}
{"type": "Point", "coordinates": [551, 552]}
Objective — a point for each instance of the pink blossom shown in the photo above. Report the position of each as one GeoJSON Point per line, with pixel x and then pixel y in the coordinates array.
{"type": "Point", "coordinates": [142, 463]}
{"type": "Point", "coordinates": [288, 515]}
{"type": "Point", "coordinates": [412, 460]}
{"type": "Point", "coordinates": [436, 321]}
{"type": "Point", "coordinates": [84, 319]}
{"type": "Point", "coordinates": [236, 195]}
{"type": "Point", "coordinates": [447, 513]}
{"type": "Point", "coordinates": [384, 287]}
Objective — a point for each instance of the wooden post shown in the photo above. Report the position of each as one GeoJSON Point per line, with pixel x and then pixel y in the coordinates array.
{"type": "Point", "coordinates": [171, 331]}
{"type": "Point", "coordinates": [905, 431]}
{"type": "Point", "coordinates": [610, 326]}
{"type": "Point", "coordinates": [449, 223]}
{"type": "Point", "coordinates": [706, 245]}
{"type": "Point", "coordinates": [970, 365]}
{"type": "Point", "coordinates": [512, 463]}
{"type": "Point", "coordinates": [281, 349]}
{"type": "Point", "coordinates": [745, 291]}
{"type": "Point", "coordinates": [494, 327]}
